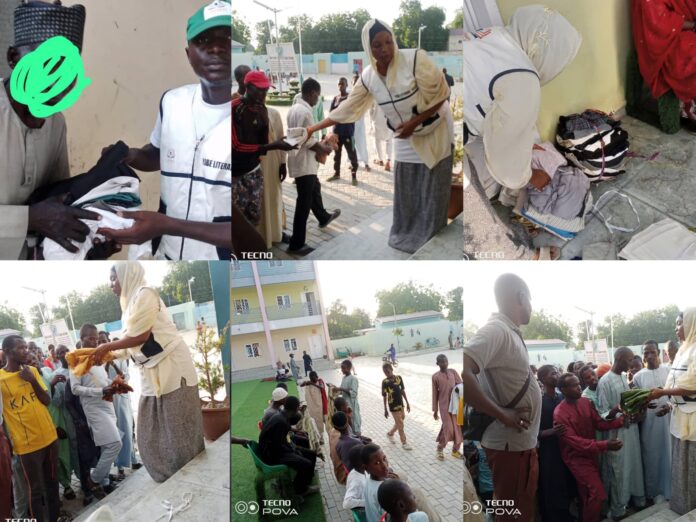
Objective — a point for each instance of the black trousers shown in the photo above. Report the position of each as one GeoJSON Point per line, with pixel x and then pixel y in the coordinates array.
{"type": "Point", "coordinates": [40, 472]}
{"type": "Point", "coordinates": [349, 143]}
{"type": "Point", "coordinates": [308, 198]}
{"type": "Point", "coordinates": [302, 461]}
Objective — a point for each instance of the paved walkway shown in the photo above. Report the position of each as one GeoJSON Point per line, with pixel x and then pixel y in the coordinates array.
{"type": "Point", "coordinates": [441, 481]}
{"type": "Point", "coordinates": [365, 209]}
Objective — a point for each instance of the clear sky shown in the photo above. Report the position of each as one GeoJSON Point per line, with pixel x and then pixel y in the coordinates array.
{"type": "Point", "coordinates": [387, 10]}
{"type": "Point", "coordinates": [356, 282]}
{"type": "Point", "coordinates": [602, 287]}
{"type": "Point", "coordinates": [59, 278]}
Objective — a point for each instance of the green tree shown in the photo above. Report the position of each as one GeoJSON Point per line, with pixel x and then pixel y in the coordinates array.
{"type": "Point", "coordinates": [458, 21]}
{"type": "Point", "coordinates": [11, 319]}
{"type": "Point", "coordinates": [342, 324]}
{"type": "Point", "coordinates": [35, 320]}
{"type": "Point", "coordinates": [408, 298]}
{"type": "Point", "coordinates": [337, 33]}
{"type": "Point", "coordinates": [175, 286]}
{"type": "Point", "coordinates": [290, 33]}
{"type": "Point", "coordinates": [263, 37]}
{"type": "Point", "coordinates": [545, 326]}
{"type": "Point", "coordinates": [455, 304]}
{"type": "Point", "coordinates": [650, 324]}
{"type": "Point", "coordinates": [240, 30]}
{"type": "Point", "coordinates": [411, 16]}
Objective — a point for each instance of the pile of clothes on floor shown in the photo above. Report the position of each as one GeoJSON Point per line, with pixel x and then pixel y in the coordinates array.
{"type": "Point", "coordinates": [594, 142]}
{"type": "Point", "coordinates": [107, 188]}
{"type": "Point", "coordinates": [559, 206]}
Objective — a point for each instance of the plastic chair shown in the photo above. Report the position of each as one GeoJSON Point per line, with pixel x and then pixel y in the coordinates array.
{"type": "Point", "coordinates": [265, 472]}
{"type": "Point", "coordinates": [359, 515]}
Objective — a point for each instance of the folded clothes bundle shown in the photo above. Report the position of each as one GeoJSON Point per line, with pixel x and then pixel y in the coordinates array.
{"type": "Point", "coordinates": [80, 360]}
{"type": "Point", "coordinates": [108, 187]}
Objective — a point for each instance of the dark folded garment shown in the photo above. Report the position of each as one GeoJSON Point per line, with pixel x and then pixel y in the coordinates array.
{"type": "Point", "coordinates": [108, 167]}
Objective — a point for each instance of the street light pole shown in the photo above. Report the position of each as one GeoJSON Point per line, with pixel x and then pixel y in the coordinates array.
{"type": "Point", "coordinates": [275, 16]}
{"type": "Point", "coordinates": [419, 33]}
{"type": "Point", "coordinates": [189, 285]}
{"type": "Point", "coordinates": [72, 322]}
{"type": "Point", "coordinates": [299, 30]}
{"type": "Point", "coordinates": [398, 347]}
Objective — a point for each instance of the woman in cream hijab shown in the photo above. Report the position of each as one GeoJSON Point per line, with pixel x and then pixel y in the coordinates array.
{"type": "Point", "coordinates": [681, 389]}
{"type": "Point", "coordinates": [170, 431]}
{"type": "Point", "coordinates": [413, 94]}
{"type": "Point", "coordinates": [504, 70]}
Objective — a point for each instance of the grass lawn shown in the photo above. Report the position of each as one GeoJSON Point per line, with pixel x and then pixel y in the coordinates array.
{"type": "Point", "coordinates": [249, 399]}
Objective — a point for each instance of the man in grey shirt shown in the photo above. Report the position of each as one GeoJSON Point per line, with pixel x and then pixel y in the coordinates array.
{"type": "Point", "coordinates": [498, 352]}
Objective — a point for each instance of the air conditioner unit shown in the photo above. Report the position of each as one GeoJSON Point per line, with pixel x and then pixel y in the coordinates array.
{"type": "Point", "coordinates": [479, 14]}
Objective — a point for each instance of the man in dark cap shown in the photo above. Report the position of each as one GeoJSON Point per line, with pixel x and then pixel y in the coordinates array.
{"type": "Point", "coordinates": [35, 151]}
{"type": "Point", "coordinates": [190, 146]}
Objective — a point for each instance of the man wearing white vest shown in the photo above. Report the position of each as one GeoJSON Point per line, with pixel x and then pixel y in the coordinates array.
{"type": "Point", "coordinates": [190, 145]}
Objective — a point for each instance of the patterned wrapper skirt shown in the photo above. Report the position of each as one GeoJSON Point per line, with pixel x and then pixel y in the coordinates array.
{"type": "Point", "coordinates": [170, 431]}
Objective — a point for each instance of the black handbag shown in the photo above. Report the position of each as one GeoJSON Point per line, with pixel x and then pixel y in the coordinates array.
{"type": "Point", "coordinates": [476, 422]}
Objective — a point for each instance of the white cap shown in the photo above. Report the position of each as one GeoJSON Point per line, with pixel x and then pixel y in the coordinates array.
{"type": "Point", "coordinates": [279, 394]}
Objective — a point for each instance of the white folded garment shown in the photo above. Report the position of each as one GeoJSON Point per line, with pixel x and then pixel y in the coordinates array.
{"type": "Point", "coordinates": [52, 251]}
{"type": "Point", "coordinates": [664, 240]}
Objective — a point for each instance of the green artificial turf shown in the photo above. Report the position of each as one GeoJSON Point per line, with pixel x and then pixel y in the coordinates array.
{"type": "Point", "coordinates": [249, 399]}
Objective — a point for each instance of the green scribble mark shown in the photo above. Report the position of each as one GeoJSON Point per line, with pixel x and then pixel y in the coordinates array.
{"type": "Point", "coordinates": [35, 82]}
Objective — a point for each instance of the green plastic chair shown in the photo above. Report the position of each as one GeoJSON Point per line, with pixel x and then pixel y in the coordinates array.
{"type": "Point", "coordinates": [359, 515]}
{"type": "Point", "coordinates": [265, 472]}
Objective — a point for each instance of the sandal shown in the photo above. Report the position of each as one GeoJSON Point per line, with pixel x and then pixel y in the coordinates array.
{"type": "Point", "coordinates": [547, 253]}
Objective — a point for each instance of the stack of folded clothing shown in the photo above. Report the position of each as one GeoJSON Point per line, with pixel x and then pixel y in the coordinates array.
{"type": "Point", "coordinates": [561, 205]}
{"type": "Point", "coordinates": [108, 187]}
{"type": "Point", "coordinates": [594, 142]}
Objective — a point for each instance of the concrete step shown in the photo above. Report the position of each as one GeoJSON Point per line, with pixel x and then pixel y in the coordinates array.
{"type": "Point", "coordinates": [206, 478]}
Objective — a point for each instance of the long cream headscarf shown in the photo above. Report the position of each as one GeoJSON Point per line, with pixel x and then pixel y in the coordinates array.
{"type": "Point", "coordinates": [131, 276]}
{"type": "Point", "coordinates": [138, 314]}
{"type": "Point", "coordinates": [688, 380]}
{"type": "Point", "coordinates": [391, 71]}
{"type": "Point", "coordinates": [549, 40]}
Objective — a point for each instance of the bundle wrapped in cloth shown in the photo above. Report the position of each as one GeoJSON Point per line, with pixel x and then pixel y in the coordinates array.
{"type": "Point", "coordinates": [118, 385]}
{"type": "Point", "coordinates": [80, 361]}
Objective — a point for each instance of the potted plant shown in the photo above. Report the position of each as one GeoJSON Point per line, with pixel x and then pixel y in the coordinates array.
{"type": "Point", "coordinates": [456, 204]}
{"type": "Point", "coordinates": [216, 413]}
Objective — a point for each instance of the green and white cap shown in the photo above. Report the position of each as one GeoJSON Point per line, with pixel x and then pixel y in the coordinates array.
{"type": "Point", "coordinates": [215, 14]}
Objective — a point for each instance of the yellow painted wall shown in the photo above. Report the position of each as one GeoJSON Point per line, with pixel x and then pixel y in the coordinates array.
{"type": "Point", "coordinates": [133, 52]}
{"type": "Point", "coordinates": [294, 290]}
{"type": "Point", "coordinates": [596, 79]}
{"type": "Point", "coordinates": [239, 359]}
{"type": "Point", "coordinates": [246, 293]}
{"type": "Point", "coordinates": [241, 362]}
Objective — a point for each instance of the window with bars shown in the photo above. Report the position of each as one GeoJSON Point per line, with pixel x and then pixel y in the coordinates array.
{"type": "Point", "coordinates": [241, 306]}
{"type": "Point", "coordinates": [252, 350]}
{"type": "Point", "coordinates": [275, 263]}
{"type": "Point", "coordinates": [290, 345]}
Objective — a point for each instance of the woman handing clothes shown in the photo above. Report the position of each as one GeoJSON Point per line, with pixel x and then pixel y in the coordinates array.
{"type": "Point", "coordinates": [504, 69]}
{"type": "Point", "coordinates": [169, 427]}
{"type": "Point", "coordinates": [413, 94]}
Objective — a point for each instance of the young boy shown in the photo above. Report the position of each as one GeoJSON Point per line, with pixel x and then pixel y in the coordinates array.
{"type": "Point", "coordinates": [377, 467]}
{"type": "Point", "coordinates": [394, 393]}
{"type": "Point", "coordinates": [397, 499]}
{"type": "Point", "coordinates": [32, 433]}
{"type": "Point", "coordinates": [355, 484]}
